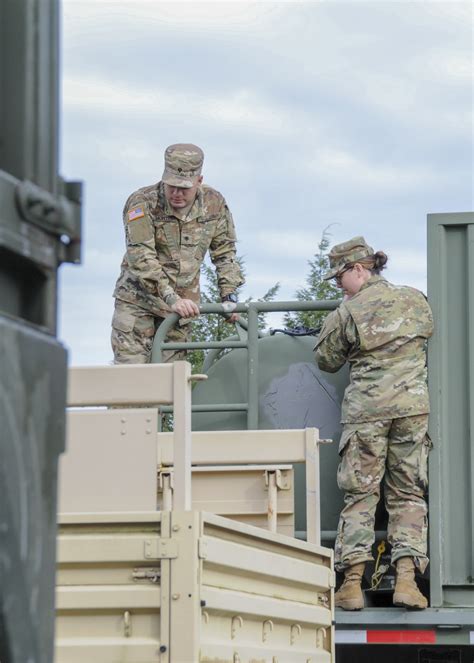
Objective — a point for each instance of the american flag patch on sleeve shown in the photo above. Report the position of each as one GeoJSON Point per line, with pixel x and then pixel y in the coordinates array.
{"type": "Point", "coordinates": [136, 213]}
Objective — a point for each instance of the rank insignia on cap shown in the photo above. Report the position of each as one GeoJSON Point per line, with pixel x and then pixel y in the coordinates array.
{"type": "Point", "coordinates": [136, 213]}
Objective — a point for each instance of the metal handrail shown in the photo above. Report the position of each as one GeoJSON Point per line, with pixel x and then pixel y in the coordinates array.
{"type": "Point", "coordinates": [252, 309]}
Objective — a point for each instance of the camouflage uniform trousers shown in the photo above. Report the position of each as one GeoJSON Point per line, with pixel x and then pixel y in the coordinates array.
{"type": "Point", "coordinates": [397, 451]}
{"type": "Point", "coordinates": [133, 331]}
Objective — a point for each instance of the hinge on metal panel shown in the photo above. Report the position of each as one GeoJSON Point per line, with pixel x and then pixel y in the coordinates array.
{"type": "Point", "coordinates": [146, 573]}
{"type": "Point", "coordinates": [282, 478]}
{"type": "Point", "coordinates": [161, 549]}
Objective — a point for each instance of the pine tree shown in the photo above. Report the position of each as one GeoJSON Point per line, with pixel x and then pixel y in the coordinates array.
{"type": "Point", "coordinates": [316, 288]}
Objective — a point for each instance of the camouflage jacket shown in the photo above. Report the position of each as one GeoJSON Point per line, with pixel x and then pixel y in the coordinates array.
{"type": "Point", "coordinates": [382, 333]}
{"type": "Point", "coordinates": [164, 253]}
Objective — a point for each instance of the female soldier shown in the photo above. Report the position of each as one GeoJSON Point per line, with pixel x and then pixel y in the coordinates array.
{"type": "Point", "coordinates": [381, 330]}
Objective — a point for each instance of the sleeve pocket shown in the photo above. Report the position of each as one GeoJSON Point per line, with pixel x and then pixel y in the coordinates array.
{"type": "Point", "coordinates": [140, 231]}
{"type": "Point", "coordinates": [330, 324]}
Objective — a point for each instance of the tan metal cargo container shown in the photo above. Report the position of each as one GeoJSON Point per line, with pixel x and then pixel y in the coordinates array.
{"type": "Point", "coordinates": [184, 587]}
{"type": "Point", "coordinates": [138, 585]}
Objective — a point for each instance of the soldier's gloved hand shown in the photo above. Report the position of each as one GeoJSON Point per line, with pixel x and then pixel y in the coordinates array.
{"type": "Point", "coordinates": [186, 308]}
{"type": "Point", "coordinates": [230, 300]}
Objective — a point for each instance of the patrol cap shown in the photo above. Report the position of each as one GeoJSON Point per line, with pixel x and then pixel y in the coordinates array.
{"type": "Point", "coordinates": [346, 253]}
{"type": "Point", "coordinates": [183, 163]}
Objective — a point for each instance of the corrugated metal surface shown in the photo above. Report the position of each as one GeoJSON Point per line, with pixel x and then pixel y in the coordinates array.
{"type": "Point", "coordinates": [451, 377]}
{"type": "Point", "coordinates": [184, 587]}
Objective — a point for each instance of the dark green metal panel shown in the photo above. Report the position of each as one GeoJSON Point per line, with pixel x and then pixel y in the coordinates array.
{"type": "Point", "coordinates": [451, 379]}
{"type": "Point", "coordinates": [32, 404]}
{"type": "Point", "coordinates": [29, 90]}
{"type": "Point", "coordinates": [40, 227]}
{"type": "Point", "coordinates": [40, 215]}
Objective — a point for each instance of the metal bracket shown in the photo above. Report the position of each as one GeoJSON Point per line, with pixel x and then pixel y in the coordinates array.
{"type": "Point", "coordinates": [202, 549]}
{"type": "Point", "coordinates": [197, 377]}
{"type": "Point", "coordinates": [161, 549]}
{"type": "Point", "coordinates": [51, 212]}
{"type": "Point", "coordinates": [165, 473]}
{"type": "Point", "coordinates": [295, 632]}
{"type": "Point", "coordinates": [282, 479]}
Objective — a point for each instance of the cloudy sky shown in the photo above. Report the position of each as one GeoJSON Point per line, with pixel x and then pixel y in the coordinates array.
{"type": "Point", "coordinates": [355, 115]}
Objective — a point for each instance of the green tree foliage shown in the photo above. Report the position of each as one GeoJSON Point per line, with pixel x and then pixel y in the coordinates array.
{"type": "Point", "coordinates": [215, 327]}
{"type": "Point", "coordinates": [315, 288]}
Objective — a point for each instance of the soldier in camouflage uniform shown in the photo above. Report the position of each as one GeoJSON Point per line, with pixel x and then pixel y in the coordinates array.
{"type": "Point", "coordinates": [381, 330]}
{"type": "Point", "coordinates": [169, 227]}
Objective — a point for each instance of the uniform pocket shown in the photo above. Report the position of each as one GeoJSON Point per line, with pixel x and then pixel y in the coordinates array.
{"type": "Point", "coordinates": [203, 234]}
{"type": "Point", "coordinates": [349, 470]}
{"type": "Point", "coordinates": [344, 441]}
{"type": "Point", "coordinates": [423, 467]}
{"type": "Point", "coordinates": [123, 321]}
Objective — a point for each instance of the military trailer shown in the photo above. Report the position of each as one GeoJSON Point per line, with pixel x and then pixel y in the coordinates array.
{"type": "Point", "coordinates": [258, 461]}
{"type": "Point", "coordinates": [272, 382]}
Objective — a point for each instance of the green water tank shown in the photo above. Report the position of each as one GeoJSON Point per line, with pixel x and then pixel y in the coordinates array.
{"type": "Point", "coordinates": [293, 393]}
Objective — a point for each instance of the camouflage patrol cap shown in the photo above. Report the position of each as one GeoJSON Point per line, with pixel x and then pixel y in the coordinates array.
{"type": "Point", "coordinates": [183, 163]}
{"type": "Point", "coordinates": [346, 253]}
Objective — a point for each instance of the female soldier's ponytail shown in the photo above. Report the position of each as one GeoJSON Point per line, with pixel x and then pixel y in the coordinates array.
{"type": "Point", "coordinates": [374, 263]}
{"type": "Point", "coordinates": [380, 261]}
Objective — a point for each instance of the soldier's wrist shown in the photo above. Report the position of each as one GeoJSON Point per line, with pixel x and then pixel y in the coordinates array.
{"type": "Point", "coordinates": [230, 297]}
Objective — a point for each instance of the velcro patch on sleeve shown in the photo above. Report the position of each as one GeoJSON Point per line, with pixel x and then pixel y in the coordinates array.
{"type": "Point", "coordinates": [136, 213]}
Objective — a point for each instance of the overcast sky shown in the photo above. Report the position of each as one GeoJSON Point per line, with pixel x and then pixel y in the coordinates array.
{"type": "Point", "coordinates": [355, 115]}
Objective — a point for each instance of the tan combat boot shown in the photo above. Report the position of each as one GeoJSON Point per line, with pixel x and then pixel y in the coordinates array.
{"type": "Point", "coordinates": [349, 596]}
{"type": "Point", "coordinates": [407, 594]}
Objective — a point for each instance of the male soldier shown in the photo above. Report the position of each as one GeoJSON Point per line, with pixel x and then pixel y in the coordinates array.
{"type": "Point", "coordinates": [169, 227]}
{"type": "Point", "coordinates": [381, 329]}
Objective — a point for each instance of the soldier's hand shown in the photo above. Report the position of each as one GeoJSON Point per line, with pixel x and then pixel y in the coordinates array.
{"type": "Point", "coordinates": [186, 308]}
{"type": "Point", "coordinates": [231, 317]}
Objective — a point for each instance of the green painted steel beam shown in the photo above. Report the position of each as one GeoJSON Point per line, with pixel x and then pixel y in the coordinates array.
{"type": "Point", "coordinates": [284, 307]}
{"type": "Point", "coordinates": [205, 345]}
{"type": "Point", "coordinates": [252, 371]}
